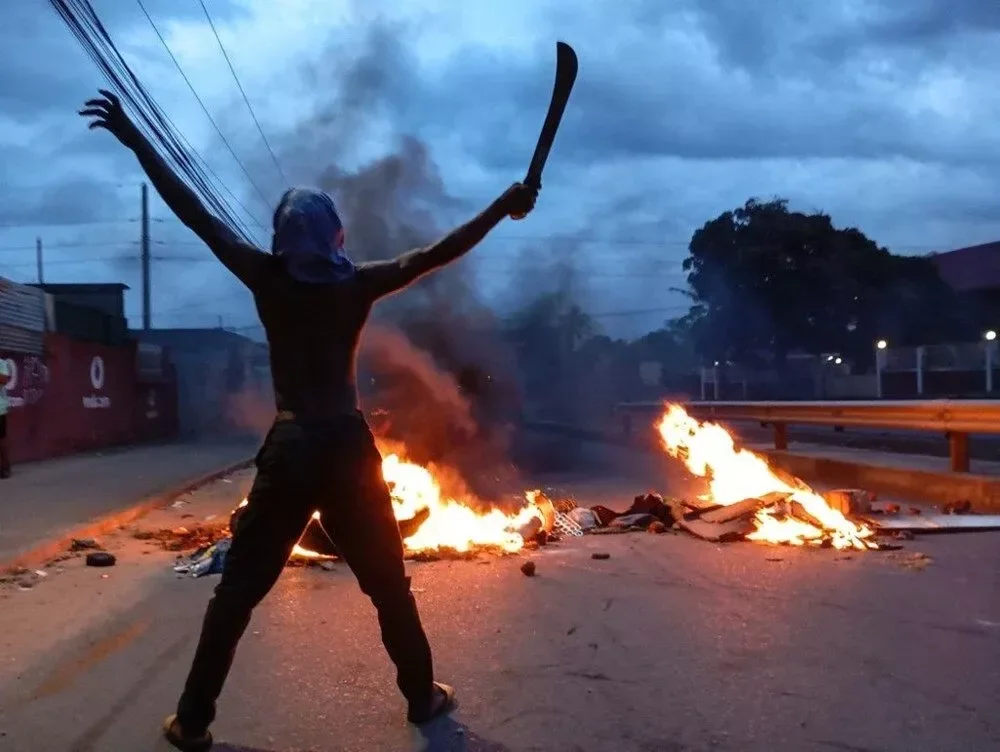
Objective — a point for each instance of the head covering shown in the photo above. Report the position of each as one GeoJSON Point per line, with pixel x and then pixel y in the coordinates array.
{"type": "Point", "coordinates": [309, 237]}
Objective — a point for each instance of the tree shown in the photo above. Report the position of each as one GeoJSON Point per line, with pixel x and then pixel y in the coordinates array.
{"type": "Point", "coordinates": [766, 281]}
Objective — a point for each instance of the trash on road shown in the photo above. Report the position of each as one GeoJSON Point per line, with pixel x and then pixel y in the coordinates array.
{"type": "Point", "coordinates": [84, 544]}
{"type": "Point", "coordinates": [207, 560]}
{"type": "Point", "coordinates": [183, 538]}
{"type": "Point", "coordinates": [101, 559]}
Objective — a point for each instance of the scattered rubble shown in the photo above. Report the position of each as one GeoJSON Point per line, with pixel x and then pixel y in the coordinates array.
{"type": "Point", "coordinates": [914, 560]}
{"type": "Point", "coordinates": [600, 556]}
{"type": "Point", "coordinates": [528, 568]}
{"type": "Point", "coordinates": [957, 507]}
{"type": "Point", "coordinates": [84, 544]}
{"type": "Point", "coordinates": [183, 538]}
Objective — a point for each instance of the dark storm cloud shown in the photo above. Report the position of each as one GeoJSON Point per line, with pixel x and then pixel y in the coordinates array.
{"type": "Point", "coordinates": [72, 201]}
{"type": "Point", "coordinates": [46, 77]}
{"type": "Point", "coordinates": [44, 66]}
{"type": "Point", "coordinates": [730, 80]}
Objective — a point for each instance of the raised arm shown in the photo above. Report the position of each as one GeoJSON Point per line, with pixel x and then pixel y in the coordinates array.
{"type": "Point", "coordinates": [386, 277]}
{"type": "Point", "coordinates": [242, 259]}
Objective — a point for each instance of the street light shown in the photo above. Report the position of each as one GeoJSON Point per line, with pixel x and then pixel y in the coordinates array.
{"type": "Point", "coordinates": [880, 347]}
{"type": "Point", "coordinates": [990, 336]}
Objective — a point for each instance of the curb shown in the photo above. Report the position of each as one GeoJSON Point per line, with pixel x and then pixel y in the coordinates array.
{"type": "Point", "coordinates": [104, 524]}
{"type": "Point", "coordinates": [983, 491]}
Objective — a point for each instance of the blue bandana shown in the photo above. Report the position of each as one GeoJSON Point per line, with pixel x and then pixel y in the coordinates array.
{"type": "Point", "coordinates": [309, 237]}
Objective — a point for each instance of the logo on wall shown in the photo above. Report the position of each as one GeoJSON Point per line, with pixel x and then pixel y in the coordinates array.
{"type": "Point", "coordinates": [12, 370]}
{"type": "Point", "coordinates": [97, 372]}
{"type": "Point", "coordinates": [97, 401]}
{"type": "Point", "coordinates": [28, 379]}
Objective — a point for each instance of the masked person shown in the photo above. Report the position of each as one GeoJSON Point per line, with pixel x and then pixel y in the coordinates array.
{"type": "Point", "coordinates": [319, 454]}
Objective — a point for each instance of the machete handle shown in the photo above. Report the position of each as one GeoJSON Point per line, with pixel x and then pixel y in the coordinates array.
{"type": "Point", "coordinates": [532, 182]}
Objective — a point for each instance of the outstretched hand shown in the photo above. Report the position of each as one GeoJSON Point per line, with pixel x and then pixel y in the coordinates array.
{"type": "Point", "coordinates": [518, 200]}
{"type": "Point", "coordinates": [109, 114]}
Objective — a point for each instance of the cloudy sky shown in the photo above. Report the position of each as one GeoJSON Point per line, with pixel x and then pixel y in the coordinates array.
{"type": "Point", "coordinates": [879, 112]}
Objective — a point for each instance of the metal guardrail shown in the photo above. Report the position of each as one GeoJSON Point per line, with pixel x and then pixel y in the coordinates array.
{"type": "Point", "coordinates": [954, 418]}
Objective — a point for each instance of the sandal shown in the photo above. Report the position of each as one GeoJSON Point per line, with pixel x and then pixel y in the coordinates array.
{"type": "Point", "coordinates": [175, 734]}
{"type": "Point", "coordinates": [443, 701]}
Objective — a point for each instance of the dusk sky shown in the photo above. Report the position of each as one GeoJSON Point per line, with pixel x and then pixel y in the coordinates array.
{"type": "Point", "coordinates": [881, 113]}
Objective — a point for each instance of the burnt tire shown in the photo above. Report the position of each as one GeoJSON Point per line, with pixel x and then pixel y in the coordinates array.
{"type": "Point", "coordinates": [101, 559]}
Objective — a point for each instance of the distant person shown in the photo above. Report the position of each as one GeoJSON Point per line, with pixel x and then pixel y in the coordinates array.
{"type": "Point", "coordinates": [319, 454]}
{"type": "Point", "coordinates": [4, 408]}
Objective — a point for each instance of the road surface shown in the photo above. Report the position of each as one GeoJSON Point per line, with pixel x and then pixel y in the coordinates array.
{"type": "Point", "coordinates": [670, 645]}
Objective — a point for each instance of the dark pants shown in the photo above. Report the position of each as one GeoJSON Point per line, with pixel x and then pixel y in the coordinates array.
{"type": "Point", "coordinates": [4, 455]}
{"type": "Point", "coordinates": [333, 467]}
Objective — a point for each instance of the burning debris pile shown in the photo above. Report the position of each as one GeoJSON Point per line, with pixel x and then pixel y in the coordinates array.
{"type": "Point", "coordinates": [433, 523]}
{"type": "Point", "coordinates": [743, 499]}
{"type": "Point", "coordinates": [747, 499]}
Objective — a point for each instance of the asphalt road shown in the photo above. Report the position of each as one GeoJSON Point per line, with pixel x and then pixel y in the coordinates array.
{"type": "Point", "coordinates": [670, 645]}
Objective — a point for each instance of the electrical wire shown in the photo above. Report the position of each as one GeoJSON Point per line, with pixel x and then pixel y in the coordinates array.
{"type": "Point", "coordinates": [208, 114]}
{"type": "Point", "coordinates": [83, 22]}
{"type": "Point", "coordinates": [246, 99]}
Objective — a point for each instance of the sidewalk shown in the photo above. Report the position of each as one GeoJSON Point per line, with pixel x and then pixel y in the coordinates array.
{"type": "Point", "coordinates": [50, 498]}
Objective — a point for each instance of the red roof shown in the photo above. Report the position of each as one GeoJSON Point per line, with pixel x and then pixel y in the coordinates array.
{"type": "Point", "coordinates": [974, 268]}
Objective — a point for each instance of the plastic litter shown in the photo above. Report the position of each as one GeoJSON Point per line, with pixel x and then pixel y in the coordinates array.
{"type": "Point", "coordinates": [205, 561]}
{"type": "Point", "coordinates": [583, 518]}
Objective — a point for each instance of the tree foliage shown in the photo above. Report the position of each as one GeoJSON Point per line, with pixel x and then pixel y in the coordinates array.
{"type": "Point", "coordinates": [766, 282]}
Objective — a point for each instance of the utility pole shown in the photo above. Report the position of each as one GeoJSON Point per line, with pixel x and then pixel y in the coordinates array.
{"type": "Point", "coordinates": [38, 261]}
{"type": "Point", "coordinates": [144, 248]}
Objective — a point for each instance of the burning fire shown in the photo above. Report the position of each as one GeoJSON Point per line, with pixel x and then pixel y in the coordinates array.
{"type": "Point", "coordinates": [450, 523]}
{"type": "Point", "coordinates": [737, 474]}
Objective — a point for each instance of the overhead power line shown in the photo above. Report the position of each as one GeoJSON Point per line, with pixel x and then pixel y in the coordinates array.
{"type": "Point", "coordinates": [208, 114]}
{"type": "Point", "coordinates": [83, 22]}
{"type": "Point", "coordinates": [246, 99]}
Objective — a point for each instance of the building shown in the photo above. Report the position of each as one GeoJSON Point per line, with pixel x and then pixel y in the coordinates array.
{"type": "Point", "coordinates": [89, 312]}
{"type": "Point", "coordinates": [974, 273]}
{"type": "Point", "coordinates": [223, 380]}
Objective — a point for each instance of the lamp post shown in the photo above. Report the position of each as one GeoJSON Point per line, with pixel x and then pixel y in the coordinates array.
{"type": "Point", "coordinates": [990, 336]}
{"type": "Point", "coordinates": [880, 348]}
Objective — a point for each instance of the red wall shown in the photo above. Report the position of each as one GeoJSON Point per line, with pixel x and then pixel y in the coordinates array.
{"type": "Point", "coordinates": [81, 396]}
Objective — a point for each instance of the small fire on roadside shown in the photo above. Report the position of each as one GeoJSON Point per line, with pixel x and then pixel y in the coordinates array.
{"type": "Point", "coordinates": [708, 451]}
{"type": "Point", "coordinates": [450, 523]}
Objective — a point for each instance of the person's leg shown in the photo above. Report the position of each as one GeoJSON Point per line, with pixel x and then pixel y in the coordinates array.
{"type": "Point", "coordinates": [4, 456]}
{"type": "Point", "coordinates": [365, 529]}
{"type": "Point", "coordinates": [276, 514]}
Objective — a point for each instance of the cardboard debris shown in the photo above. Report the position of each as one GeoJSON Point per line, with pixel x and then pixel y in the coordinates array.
{"type": "Point", "coordinates": [850, 501]}
{"type": "Point", "coordinates": [745, 508]}
{"type": "Point", "coordinates": [719, 532]}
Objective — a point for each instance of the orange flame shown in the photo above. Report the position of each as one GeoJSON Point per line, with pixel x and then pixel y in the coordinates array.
{"type": "Point", "coordinates": [708, 451]}
{"type": "Point", "coordinates": [450, 523]}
